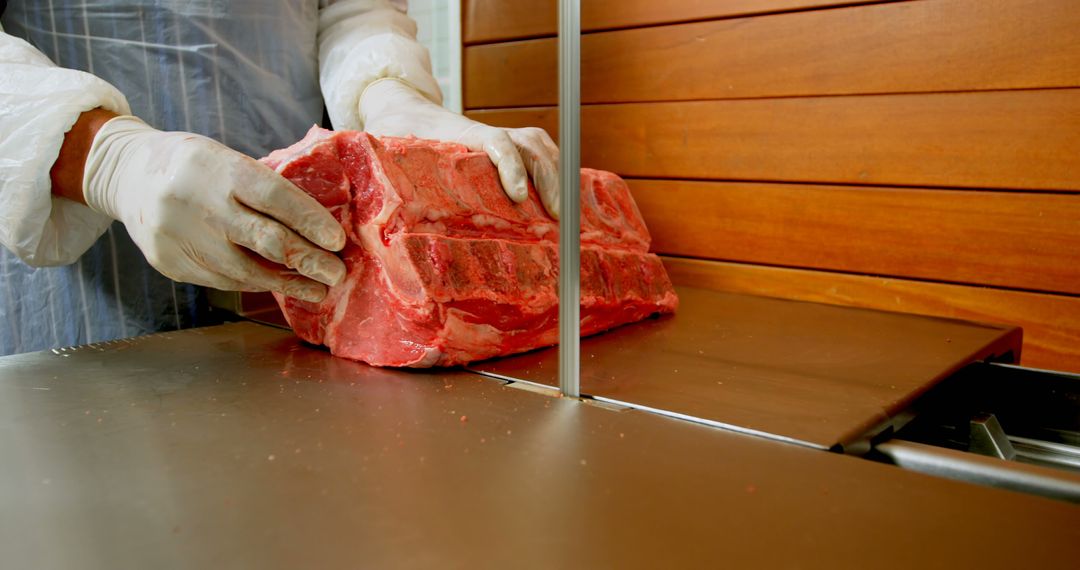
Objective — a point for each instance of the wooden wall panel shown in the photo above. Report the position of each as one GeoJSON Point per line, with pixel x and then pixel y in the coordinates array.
{"type": "Point", "coordinates": [499, 20]}
{"type": "Point", "coordinates": [1006, 239]}
{"type": "Point", "coordinates": [1007, 139]}
{"type": "Point", "coordinates": [944, 45]}
{"type": "Point", "coordinates": [546, 118]}
{"type": "Point", "coordinates": [1051, 323]}
{"type": "Point", "coordinates": [919, 156]}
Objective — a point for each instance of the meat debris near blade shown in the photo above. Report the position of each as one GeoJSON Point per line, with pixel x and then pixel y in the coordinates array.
{"type": "Point", "coordinates": [444, 269]}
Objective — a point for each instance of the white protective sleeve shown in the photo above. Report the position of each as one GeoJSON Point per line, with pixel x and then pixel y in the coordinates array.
{"type": "Point", "coordinates": [39, 103]}
{"type": "Point", "coordinates": [362, 41]}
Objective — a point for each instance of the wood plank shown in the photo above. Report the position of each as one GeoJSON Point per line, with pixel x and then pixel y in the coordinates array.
{"type": "Point", "coordinates": [546, 118]}
{"type": "Point", "coordinates": [497, 20]}
{"type": "Point", "coordinates": [946, 45]}
{"type": "Point", "coordinates": [1007, 239]}
{"type": "Point", "coordinates": [1051, 323]}
{"type": "Point", "coordinates": [1000, 139]}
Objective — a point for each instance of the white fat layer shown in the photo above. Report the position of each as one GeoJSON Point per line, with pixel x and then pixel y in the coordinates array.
{"type": "Point", "coordinates": [431, 357]}
{"type": "Point", "coordinates": [484, 220]}
{"type": "Point", "coordinates": [541, 230]}
{"type": "Point", "coordinates": [421, 211]}
{"type": "Point", "coordinates": [469, 337]}
{"type": "Point", "coordinates": [342, 294]}
{"type": "Point", "coordinates": [394, 258]}
{"type": "Point", "coordinates": [391, 200]}
{"type": "Point", "coordinates": [430, 228]}
{"type": "Point", "coordinates": [306, 150]}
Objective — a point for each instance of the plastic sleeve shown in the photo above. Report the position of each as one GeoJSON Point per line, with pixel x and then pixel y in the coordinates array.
{"type": "Point", "coordinates": [39, 103]}
{"type": "Point", "coordinates": [361, 41]}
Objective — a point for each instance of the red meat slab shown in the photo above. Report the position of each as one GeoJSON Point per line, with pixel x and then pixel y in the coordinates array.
{"type": "Point", "coordinates": [443, 269]}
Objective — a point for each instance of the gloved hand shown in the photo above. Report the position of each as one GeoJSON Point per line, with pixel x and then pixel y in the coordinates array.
{"type": "Point", "coordinates": [392, 107]}
{"type": "Point", "coordinates": [193, 205]}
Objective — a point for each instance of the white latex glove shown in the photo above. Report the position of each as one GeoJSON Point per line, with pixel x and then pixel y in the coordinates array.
{"type": "Point", "coordinates": [205, 214]}
{"type": "Point", "coordinates": [394, 108]}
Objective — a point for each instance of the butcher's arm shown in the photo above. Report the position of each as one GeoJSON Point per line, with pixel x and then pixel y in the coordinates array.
{"type": "Point", "coordinates": [362, 41]}
{"type": "Point", "coordinates": [375, 76]}
{"type": "Point", "coordinates": [67, 172]}
{"type": "Point", "coordinates": [41, 102]}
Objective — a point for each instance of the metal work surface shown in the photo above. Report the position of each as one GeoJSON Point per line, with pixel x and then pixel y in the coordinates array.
{"type": "Point", "coordinates": [816, 374]}
{"type": "Point", "coordinates": [237, 446]}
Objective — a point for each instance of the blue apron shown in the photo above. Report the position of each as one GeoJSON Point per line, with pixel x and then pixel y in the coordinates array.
{"type": "Point", "coordinates": [244, 72]}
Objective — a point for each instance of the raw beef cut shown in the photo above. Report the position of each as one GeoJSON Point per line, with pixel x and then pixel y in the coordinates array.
{"type": "Point", "coordinates": [444, 269]}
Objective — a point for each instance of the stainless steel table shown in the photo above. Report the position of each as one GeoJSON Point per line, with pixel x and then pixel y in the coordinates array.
{"type": "Point", "coordinates": [819, 375]}
{"type": "Point", "coordinates": [239, 447]}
